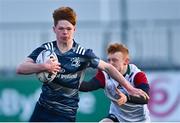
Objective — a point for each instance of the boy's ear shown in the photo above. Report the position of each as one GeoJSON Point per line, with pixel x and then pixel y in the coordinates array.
{"type": "Point", "coordinates": [126, 62]}
{"type": "Point", "coordinates": [54, 28]}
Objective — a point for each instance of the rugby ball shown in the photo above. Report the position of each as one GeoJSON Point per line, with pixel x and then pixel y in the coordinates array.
{"type": "Point", "coordinates": [43, 57]}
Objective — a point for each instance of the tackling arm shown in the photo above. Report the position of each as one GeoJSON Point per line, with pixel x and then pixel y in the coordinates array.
{"type": "Point", "coordinates": [95, 83]}
{"type": "Point", "coordinates": [116, 75]}
{"type": "Point", "coordinates": [91, 85]}
{"type": "Point", "coordinates": [136, 100]}
{"type": "Point", "coordinates": [131, 99]}
{"type": "Point", "coordinates": [141, 82]}
{"type": "Point", "coordinates": [139, 100]}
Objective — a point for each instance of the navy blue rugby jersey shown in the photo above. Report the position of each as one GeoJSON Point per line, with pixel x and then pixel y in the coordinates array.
{"type": "Point", "coordinates": [62, 93]}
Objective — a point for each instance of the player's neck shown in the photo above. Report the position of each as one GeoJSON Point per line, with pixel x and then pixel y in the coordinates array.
{"type": "Point", "coordinates": [124, 70]}
{"type": "Point", "coordinates": [64, 46]}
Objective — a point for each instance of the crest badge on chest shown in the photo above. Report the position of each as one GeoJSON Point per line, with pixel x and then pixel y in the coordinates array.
{"type": "Point", "coordinates": [75, 62]}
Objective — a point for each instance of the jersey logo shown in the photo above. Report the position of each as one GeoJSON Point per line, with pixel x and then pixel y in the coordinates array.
{"type": "Point", "coordinates": [75, 62]}
{"type": "Point", "coordinates": [69, 76]}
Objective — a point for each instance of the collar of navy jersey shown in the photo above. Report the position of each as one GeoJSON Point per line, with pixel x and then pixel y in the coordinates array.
{"type": "Point", "coordinates": [58, 52]}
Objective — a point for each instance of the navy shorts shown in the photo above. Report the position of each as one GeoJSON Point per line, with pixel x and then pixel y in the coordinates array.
{"type": "Point", "coordinates": [41, 114]}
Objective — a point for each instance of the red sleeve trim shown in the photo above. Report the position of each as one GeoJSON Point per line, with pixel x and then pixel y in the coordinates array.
{"type": "Point", "coordinates": [140, 78]}
{"type": "Point", "coordinates": [101, 78]}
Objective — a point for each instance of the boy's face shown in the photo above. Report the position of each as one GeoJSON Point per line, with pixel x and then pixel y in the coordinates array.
{"type": "Point", "coordinates": [118, 60]}
{"type": "Point", "coordinates": [64, 31]}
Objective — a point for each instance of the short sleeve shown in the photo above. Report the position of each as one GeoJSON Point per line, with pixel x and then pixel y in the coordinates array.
{"type": "Point", "coordinates": [101, 78]}
{"type": "Point", "coordinates": [92, 58]}
{"type": "Point", "coordinates": [36, 52]}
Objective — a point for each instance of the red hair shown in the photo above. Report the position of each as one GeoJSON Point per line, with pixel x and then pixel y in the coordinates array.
{"type": "Point", "coordinates": [64, 13]}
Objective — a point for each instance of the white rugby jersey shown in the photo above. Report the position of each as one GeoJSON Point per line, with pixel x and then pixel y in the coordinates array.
{"type": "Point", "coordinates": [129, 112]}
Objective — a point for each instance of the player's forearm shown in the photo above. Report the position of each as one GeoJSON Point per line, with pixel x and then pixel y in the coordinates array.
{"type": "Point", "coordinates": [29, 68]}
{"type": "Point", "coordinates": [91, 85]}
{"type": "Point", "coordinates": [136, 100]}
{"type": "Point", "coordinates": [115, 74]}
